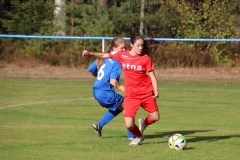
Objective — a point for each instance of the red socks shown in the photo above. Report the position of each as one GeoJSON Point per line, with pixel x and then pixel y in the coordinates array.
{"type": "Point", "coordinates": [148, 121]}
{"type": "Point", "coordinates": [135, 131]}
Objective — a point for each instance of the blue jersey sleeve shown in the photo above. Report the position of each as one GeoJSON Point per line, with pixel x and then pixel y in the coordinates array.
{"type": "Point", "coordinates": [93, 67]}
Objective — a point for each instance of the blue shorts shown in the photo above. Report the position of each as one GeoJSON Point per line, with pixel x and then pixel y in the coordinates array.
{"type": "Point", "coordinates": [108, 99]}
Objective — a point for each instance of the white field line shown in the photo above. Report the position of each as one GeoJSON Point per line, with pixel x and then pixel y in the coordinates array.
{"type": "Point", "coordinates": [43, 102]}
{"type": "Point", "coordinates": [45, 85]}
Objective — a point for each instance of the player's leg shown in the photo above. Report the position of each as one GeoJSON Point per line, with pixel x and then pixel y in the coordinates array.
{"type": "Point", "coordinates": [130, 135]}
{"type": "Point", "coordinates": [111, 100]}
{"type": "Point", "coordinates": [130, 109]}
{"type": "Point", "coordinates": [107, 117]}
{"type": "Point", "coordinates": [151, 107]}
{"type": "Point", "coordinates": [111, 113]}
{"type": "Point", "coordinates": [133, 128]}
{"type": "Point", "coordinates": [150, 119]}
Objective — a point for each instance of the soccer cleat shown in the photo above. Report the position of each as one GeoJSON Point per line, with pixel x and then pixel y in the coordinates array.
{"type": "Point", "coordinates": [130, 138]}
{"type": "Point", "coordinates": [141, 124]}
{"type": "Point", "coordinates": [97, 129]}
{"type": "Point", "coordinates": [136, 141]}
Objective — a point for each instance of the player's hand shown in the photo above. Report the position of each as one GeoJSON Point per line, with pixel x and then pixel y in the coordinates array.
{"type": "Point", "coordinates": [85, 53]}
{"type": "Point", "coordinates": [155, 95]}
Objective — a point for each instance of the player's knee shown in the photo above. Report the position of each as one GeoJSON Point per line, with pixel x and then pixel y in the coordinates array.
{"type": "Point", "coordinates": [129, 122]}
{"type": "Point", "coordinates": [129, 126]}
{"type": "Point", "coordinates": [156, 118]}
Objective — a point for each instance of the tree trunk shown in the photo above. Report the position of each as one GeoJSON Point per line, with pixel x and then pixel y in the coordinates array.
{"type": "Point", "coordinates": [59, 17]}
{"type": "Point", "coordinates": [103, 3]}
{"type": "Point", "coordinates": [72, 17]}
{"type": "Point", "coordinates": [238, 24]}
{"type": "Point", "coordinates": [142, 17]}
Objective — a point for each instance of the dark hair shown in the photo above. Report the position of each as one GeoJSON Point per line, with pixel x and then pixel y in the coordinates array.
{"type": "Point", "coordinates": [135, 37]}
{"type": "Point", "coordinates": [117, 41]}
{"type": "Point", "coordinates": [149, 45]}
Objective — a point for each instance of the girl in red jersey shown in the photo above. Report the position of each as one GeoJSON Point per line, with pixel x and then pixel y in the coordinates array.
{"type": "Point", "coordinates": [141, 88]}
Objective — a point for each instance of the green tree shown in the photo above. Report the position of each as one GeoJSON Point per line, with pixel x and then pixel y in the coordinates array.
{"type": "Point", "coordinates": [28, 17]}
{"type": "Point", "coordinates": [208, 19]}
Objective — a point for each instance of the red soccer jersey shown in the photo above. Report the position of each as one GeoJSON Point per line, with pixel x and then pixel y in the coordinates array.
{"type": "Point", "coordinates": [137, 82]}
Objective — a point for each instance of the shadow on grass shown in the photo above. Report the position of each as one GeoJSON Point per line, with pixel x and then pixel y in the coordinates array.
{"type": "Point", "coordinates": [190, 138]}
{"type": "Point", "coordinates": [168, 134]}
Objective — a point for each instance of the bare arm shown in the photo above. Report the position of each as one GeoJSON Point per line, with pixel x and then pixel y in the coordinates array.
{"type": "Point", "coordinates": [116, 84]}
{"type": "Point", "coordinates": [154, 83]}
{"type": "Point", "coordinates": [95, 54]}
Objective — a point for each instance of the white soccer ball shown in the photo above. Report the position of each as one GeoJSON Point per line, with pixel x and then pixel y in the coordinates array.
{"type": "Point", "coordinates": [177, 141]}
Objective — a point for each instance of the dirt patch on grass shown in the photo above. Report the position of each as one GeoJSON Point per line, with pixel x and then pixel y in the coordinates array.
{"type": "Point", "coordinates": [44, 72]}
{"type": "Point", "coordinates": [180, 75]}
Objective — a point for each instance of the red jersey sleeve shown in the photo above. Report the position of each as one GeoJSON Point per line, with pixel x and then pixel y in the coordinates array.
{"type": "Point", "coordinates": [149, 64]}
{"type": "Point", "coordinates": [115, 55]}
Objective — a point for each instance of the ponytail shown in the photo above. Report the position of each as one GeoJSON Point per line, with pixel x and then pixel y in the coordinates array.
{"type": "Point", "coordinates": [150, 46]}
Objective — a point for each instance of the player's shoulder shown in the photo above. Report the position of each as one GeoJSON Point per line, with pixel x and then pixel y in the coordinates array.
{"type": "Point", "coordinates": [125, 52]}
{"type": "Point", "coordinates": [112, 61]}
{"type": "Point", "coordinates": [92, 65]}
{"type": "Point", "coordinates": [119, 52]}
{"type": "Point", "coordinates": [145, 55]}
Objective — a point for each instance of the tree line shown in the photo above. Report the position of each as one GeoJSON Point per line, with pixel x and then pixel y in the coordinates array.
{"type": "Point", "coordinates": [150, 18]}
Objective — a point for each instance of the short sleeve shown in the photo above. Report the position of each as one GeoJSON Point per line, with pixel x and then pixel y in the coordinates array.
{"type": "Point", "coordinates": [115, 55]}
{"type": "Point", "coordinates": [93, 67]}
{"type": "Point", "coordinates": [149, 64]}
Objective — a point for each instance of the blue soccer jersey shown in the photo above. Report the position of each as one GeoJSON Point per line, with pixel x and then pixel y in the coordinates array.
{"type": "Point", "coordinates": [103, 91]}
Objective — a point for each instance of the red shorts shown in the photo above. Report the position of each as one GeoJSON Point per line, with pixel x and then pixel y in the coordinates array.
{"type": "Point", "coordinates": [132, 104]}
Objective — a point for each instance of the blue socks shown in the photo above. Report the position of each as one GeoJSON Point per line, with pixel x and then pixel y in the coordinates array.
{"type": "Point", "coordinates": [130, 135]}
{"type": "Point", "coordinates": [108, 116]}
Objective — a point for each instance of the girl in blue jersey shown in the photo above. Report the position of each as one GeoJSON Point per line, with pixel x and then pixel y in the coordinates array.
{"type": "Point", "coordinates": [107, 73]}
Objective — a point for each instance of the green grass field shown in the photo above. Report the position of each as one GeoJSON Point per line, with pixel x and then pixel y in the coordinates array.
{"type": "Point", "coordinates": [52, 120]}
